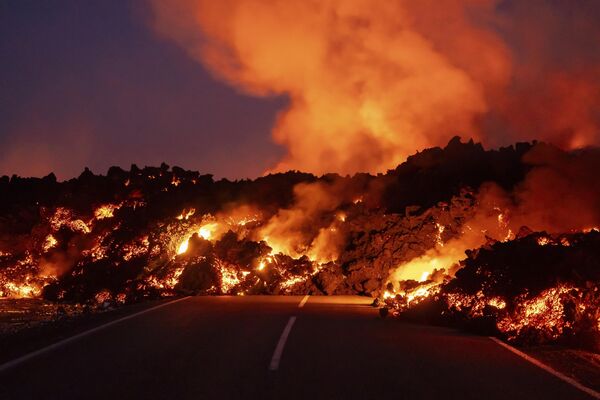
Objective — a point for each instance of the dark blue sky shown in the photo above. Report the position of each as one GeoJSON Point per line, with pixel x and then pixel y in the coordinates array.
{"type": "Point", "coordinates": [87, 83]}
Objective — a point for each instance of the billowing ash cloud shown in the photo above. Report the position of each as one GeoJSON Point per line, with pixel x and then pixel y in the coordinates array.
{"type": "Point", "coordinates": [370, 83]}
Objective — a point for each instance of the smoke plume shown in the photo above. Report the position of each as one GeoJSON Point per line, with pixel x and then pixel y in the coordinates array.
{"type": "Point", "coordinates": [560, 194]}
{"type": "Point", "coordinates": [369, 84]}
{"type": "Point", "coordinates": [310, 225]}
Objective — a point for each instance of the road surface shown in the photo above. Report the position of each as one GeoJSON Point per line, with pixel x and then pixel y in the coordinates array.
{"type": "Point", "coordinates": [225, 348]}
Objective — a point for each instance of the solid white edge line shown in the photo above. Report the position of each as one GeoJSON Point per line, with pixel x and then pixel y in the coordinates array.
{"type": "Point", "coordinates": [548, 369]}
{"type": "Point", "coordinates": [304, 300]}
{"type": "Point", "coordinates": [274, 365]}
{"type": "Point", "coordinates": [33, 354]}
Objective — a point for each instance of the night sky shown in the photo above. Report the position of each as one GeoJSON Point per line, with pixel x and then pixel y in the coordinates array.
{"type": "Point", "coordinates": [100, 83]}
{"type": "Point", "coordinates": [87, 83]}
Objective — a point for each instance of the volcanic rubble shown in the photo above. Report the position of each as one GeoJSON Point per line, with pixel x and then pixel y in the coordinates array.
{"type": "Point", "coordinates": [156, 232]}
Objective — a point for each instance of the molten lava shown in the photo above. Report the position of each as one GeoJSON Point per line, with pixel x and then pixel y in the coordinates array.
{"type": "Point", "coordinates": [437, 235]}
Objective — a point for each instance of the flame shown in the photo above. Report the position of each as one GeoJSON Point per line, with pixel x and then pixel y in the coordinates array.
{"type": "Point", "coordinates": [544, 312]}
{"type": "Point", "coordinates": [564, 242]}
{"type": "Point", "coordinates": [206, 231]}
{"type": "Point", "coordinates": [64, 217]}
{"type": "Point", "coordinates": [49, 243]}
{"type": "Point", "coordinates": [173, 238]}
{"type": "Point", "coordinates": [186, 214]}
{"type": "Point", "coordinates": [103, 296]}
{"type": "Point", "coordinates": [420, 268]}
{"type": "Point", "coordinates": [167, 282]}
{"type": "Point", "coordinates": [27, 288]}
{"type": "Point", "coordinates": [287, 284]}
{"type": "Point", "coordinates": [419, 294]}
{"type": "Point", "coordinates": [543, 241]}
{"type": "Point", "coordinates": [135, 249]}
{"type": "Point", "coordinates": [229, 277]}
{"type": "Point", "coordinates": [106, 211]}
{"type": "Point", "coordinates": [183, 247]}
{"type": "Point", "coordinates": [486, 223]}
{"type": "Point", "coordinates": [475, 304]}
{"type": "Point", "coordinates": [405, 298]}
{"type": "Point", "coordinates": [280, 246]}
{"type": "Point", "coordinates": [438, 238]}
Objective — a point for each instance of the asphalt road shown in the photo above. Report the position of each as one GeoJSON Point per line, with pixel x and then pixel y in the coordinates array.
{"type": "Point", "coordinates": [223, 348]}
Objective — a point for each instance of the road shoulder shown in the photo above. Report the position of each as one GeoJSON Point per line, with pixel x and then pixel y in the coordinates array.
{"type": "Point", "coordinates": [17, 344]}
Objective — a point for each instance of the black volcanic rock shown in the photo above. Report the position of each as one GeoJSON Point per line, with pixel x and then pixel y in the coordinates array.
{"type": "Point", "coordinates": [390, 219]}
{"type": "Point", "coordinates": [437, 174]}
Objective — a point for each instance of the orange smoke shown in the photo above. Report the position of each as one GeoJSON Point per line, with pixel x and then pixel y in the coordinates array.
{"type": "Point", "coordinates": [305, 226]}
{"type": "Point", "coordinates": [370, 84]}
{"type": "Point", "coordinates": [367, 86]}
{"type": "Point", "coordinates": [560, 194]}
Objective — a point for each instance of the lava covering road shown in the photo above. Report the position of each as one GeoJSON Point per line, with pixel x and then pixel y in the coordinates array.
{"type": "Point", "coordinates": [504, 240]}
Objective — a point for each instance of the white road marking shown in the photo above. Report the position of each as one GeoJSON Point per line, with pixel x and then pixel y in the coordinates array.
{"type": "Point", "coordinates": [548, 369]}
{"type": "Point", "coordinates": [29, 356]}
{"type": "Point", "coordinates": [304, 300]}
{"type": "Point", "coordinates": [274, 366]}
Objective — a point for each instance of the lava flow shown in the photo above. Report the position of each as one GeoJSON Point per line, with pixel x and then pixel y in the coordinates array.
{"type": "Point", "coordinates": [501, 240]}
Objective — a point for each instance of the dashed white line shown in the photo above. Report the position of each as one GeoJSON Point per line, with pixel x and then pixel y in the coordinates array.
{"type": "Point", "coordinates": [274, 365]}
{"type": "Point", "coordinates": [304, 300]}
{"type": "Point", "coordinates": [29, 356]}
{"type": "Point", "coordinates": [548, 369]}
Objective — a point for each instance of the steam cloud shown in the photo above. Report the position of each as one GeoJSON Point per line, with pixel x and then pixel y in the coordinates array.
{"type": "Point", "coordinates": [368, 84]}
{"type": "Point", "coordinates": [560, 194]}
{"type": "Point", "coordinates": [308, 225]}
